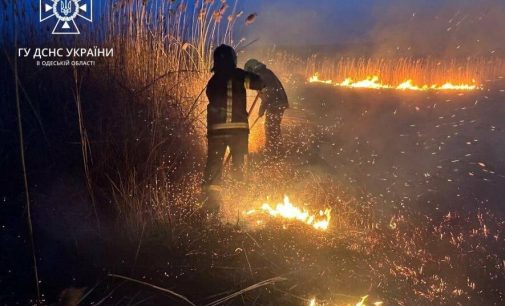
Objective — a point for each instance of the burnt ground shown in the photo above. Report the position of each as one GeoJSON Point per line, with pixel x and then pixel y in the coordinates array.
{"type": "Point", "coordinates": [414, 181]}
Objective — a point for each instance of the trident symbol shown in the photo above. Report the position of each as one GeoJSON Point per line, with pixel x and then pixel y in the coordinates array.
{"type": "Point", "coordinates": [66, 7]}
{"type": "Point", "coordinates": [65, 13]}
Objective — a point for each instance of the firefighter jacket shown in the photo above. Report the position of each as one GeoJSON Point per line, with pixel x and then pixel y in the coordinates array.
{"type": "Point", "coordinates": [273, 96]}
{"type": "Point", "coordinates": [227, 108]}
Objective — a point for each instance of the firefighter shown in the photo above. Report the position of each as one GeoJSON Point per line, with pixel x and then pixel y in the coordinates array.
{"type": "Point", "coordinates": [274, 102]}
{"type": "Point", "coordinates": [227, 121]}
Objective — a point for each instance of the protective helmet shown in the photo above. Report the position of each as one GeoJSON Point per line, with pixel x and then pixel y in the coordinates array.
{"type": "Point", "coordinates": [253, 65]}
{"type": "Point", "coordinates": [225, 58]}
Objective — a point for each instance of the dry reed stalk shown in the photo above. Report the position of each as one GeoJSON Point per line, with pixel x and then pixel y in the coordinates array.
{"type": "Point", "coordinates": [22, 157]}
{"type": "Point", "coordinates": [162, 59]}
{"type": "Point", "coordinates": [261, 284]}
{"type": "Point", "coordinates": [85, 145]}
{"type": "Point", "coordinates": [175, 294]}
{"type": "Point", "coordinates": [391, 70]}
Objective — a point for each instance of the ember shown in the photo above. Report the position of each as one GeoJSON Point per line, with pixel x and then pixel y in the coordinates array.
{"type": "Point", "coordinates": [373, 82]}
{"type": "Point", "coordinates": [288, 211]}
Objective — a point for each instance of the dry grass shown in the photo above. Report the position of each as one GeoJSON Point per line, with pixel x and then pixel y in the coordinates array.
{"type": "Point", "coordinates": [421, 71]}
{"type": "Point", "coordinates": [140, 114]}
{"type": "Point", "coordinates": [390, 70]}
{"type": "Point", "coordinates": [144, 142]}
{"type": "Point", "coordinates": [163, 58]}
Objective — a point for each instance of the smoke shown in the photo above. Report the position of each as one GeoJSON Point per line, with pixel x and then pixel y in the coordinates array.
{"type": "Point", "coordinates": [414, 148]}
{"type": "Point", "coordinates": [303, 23]}
{"type": "Point", "coordinates": [438, 28]}
{"type": "Point", "coordinates": [384, 27]}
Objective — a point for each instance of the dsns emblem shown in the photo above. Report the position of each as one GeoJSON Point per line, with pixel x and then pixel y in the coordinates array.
{"type": "Point", "coordinates": [66, 12]}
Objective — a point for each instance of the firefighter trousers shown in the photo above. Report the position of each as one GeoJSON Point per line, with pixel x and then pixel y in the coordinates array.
{"type": "Point", "coordinates": [238, 144]}
{"type": "Point", "coordinates": [273, 130]}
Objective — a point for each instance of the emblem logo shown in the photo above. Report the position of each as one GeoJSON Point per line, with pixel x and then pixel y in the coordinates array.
{"type": "Point", "coordinates": [66, 12]}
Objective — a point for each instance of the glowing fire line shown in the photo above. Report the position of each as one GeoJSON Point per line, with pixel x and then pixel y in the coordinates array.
{"type": "Point", "coordinates": [360, 303]}
{"type": "Point", "coordinates": [373, 82]}
{"type": "Point", "coordinates": [288, 211]}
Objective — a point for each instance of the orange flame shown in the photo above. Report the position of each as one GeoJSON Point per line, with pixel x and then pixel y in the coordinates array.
{"type": "Point", "coordinates": [360, 303]}
{"type": "Point", "coordinates": [373, 82]}
{"type": "Point", "coordinates": [288, 211]}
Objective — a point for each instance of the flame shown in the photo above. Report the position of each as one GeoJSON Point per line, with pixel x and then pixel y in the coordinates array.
{"type": "Point", "coordinates": [373, 82]}
{"type": "Point", "coordinates": [288, 211]}
{"type": "Point", "coordinates": [360, 303]}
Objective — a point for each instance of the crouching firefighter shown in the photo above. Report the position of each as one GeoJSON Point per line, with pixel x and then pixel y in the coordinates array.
{"type": "Point", "coordinates": [227, 121]}
{"type": "Point", "coordinates": [274, 102]}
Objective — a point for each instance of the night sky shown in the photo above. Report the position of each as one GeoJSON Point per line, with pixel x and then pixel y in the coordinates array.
{"type": "Point", "coordinates": [466, 27]}
{"type": "Point", "coordinates": [311, 22]}
{"type": "Point", "coordinates": [408, 27]}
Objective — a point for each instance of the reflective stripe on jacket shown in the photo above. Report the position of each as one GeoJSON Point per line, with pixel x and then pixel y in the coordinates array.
{"type": "Point", "coordinates": [227, 109]}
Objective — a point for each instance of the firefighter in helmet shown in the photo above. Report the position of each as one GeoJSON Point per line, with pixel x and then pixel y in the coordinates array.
{"type": "Point", "coordinates": [274, 102]}
{"type": "Point", "coordinates": [227, 121]}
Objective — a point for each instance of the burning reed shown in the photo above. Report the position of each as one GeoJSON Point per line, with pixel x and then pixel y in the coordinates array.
{"type": "Point", "coordinates": [395, 72]}
{"type": "Point", "coordinates": [389, 72]}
